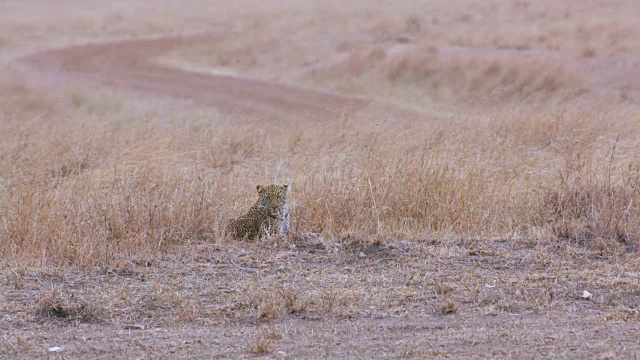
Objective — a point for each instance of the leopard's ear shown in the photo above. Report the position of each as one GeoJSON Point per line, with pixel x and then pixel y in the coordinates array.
{"type": "Point", "coordinates": [285, 186]}
{"type": "Point", "coordinates": [260, 189]}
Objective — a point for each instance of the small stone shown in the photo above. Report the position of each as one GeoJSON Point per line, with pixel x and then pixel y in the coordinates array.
{"type": "Point", "coordinates": [134, 327]}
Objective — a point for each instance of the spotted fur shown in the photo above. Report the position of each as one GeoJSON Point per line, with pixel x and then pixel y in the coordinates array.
{"type": "Point", "coordinates": [268, 216]}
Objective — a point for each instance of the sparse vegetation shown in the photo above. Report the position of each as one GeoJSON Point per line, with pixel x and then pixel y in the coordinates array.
{"type": "Point", "coordinates": [263, 343]}
{"type": "Point", "coordinates": [52, 307]}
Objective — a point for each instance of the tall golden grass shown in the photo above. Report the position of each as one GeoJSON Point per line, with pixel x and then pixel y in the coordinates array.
{"type": "Point", "coordinates": [87, 179]}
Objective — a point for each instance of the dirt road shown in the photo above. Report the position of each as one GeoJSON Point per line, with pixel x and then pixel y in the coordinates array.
{"type": "Point", "coordinates": [130, 65]}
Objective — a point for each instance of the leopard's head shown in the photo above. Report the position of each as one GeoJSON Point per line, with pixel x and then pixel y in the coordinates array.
{"type": "Point", "coordinates": [273, 199]}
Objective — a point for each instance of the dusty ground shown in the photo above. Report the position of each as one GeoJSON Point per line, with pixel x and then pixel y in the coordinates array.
{"type": "Point", "coordinates": [344, 297]}
{"type": "Point", "coordinates": [300, 299]}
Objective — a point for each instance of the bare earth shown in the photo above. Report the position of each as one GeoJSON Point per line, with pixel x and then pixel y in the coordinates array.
{"type": "Point", "coordinates": [498, 299]}
{"type": "Point", "coordinates": [129, 64]}
{"type": "Point", "coordinates": [304, 297]}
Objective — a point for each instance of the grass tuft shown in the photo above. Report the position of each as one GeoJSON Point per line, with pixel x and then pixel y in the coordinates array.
{"type": "Point", "coordinates": [52, 307]}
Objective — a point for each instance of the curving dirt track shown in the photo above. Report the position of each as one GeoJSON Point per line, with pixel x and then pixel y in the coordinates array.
{"type": "Point", "coordinates": [129, 64]}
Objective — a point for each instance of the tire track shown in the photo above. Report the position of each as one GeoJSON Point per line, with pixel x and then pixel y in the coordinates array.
{"type": "Point", "coordinates": [130, 65]}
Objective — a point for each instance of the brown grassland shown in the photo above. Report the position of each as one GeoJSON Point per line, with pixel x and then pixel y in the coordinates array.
{"type": "Point", "coordinates": [489, 176]}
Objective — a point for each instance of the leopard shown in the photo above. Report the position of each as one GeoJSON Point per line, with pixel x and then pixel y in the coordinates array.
{"type": "Point", "coordinates": [267, 217]}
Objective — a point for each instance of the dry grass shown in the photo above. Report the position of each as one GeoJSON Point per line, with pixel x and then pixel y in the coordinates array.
{"type": "Point", "coordinates": [51, 307]}
{"type": "Point", "coordinates": [264, 341]}
{"type": "Point", "coordinates": [592, 212]}
{"type": "Point", "coordinates": [419, 75]}
{"type": "Point", "coordinates": [81, 192]}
